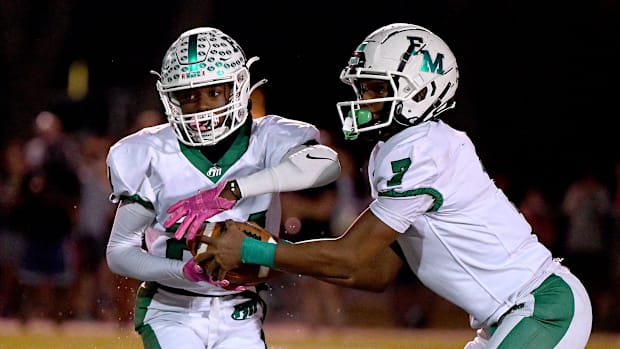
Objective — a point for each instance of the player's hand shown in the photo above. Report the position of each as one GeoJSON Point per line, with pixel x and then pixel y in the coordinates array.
{"type": "Point", "coordinates": [196, 210]}
{"type": "Point", "coordinates": [194, 272]}
{"type": "Point", "coordinates": [224, 251]}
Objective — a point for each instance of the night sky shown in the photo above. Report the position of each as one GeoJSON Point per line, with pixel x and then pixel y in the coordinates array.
{"type": "Point", "coordinates": [536, 92]}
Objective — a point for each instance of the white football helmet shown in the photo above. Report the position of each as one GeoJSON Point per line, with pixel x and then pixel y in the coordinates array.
{"type": "Point", "coordinates": [202, 57]}
{"type": "Point", "coordinates": [418, 66]}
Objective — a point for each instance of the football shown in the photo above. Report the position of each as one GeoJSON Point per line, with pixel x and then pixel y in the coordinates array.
{"type": "Point", "coordinates": [248, 274]}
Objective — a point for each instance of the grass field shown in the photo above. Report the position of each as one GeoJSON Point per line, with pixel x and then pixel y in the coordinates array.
{"type": "Point", "coordinates": [85, 335]}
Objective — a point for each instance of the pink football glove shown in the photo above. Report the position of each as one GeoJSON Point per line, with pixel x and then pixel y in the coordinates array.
{"type": "Point", "coordinates": [197, 209]}
{"type": "Point", "coordinates": [194, 272]}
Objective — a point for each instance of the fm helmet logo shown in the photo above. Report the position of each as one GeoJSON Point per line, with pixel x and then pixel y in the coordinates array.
{"type": "Point", "coordinates": [428, 64]}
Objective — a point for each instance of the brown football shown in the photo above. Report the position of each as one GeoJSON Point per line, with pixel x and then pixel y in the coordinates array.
{"type": "Point", "coordinates": [247, 274]}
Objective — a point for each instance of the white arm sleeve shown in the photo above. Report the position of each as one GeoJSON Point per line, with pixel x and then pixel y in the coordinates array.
{"type": "Point", "coordinates": [307, 167]}
{"type": "Point", "coordinates": [124, 252]}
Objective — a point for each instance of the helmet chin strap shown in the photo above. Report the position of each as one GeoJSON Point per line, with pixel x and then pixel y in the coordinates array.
{"type": "Point", "coordinates": [390, 130]}
{"type": "Point", "coordinates": [386, 132]}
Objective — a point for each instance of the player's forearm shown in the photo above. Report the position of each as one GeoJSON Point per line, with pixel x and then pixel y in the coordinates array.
{"type": "Point", "coordinates": [318, 258]}
{"type": "Point", "coordinates": [325, 260]}
{"type": "Point", "coordinates": [314, 257]}
{"type": "Point", "coordinates": [124, 254]}
{"type": "Point", "coordinates": [135, 263]}
{"type": "Point", "coordinates": [362, 254]}
{"type": "Point", "coordinates": [376, 275]}
{"type": "Point", "coordinates": [310, 167]}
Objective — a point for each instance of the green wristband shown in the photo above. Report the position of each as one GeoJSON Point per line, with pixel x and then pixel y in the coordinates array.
{"type": "Point", "coordinates": [258, 252]}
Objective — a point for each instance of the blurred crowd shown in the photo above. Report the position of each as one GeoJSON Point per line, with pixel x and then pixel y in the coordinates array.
{"type": "Point", "coordinates": [55, 218]}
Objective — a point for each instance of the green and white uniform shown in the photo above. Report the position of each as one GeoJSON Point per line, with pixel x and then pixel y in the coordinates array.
{"type": "Point", "coordinates": [152, 168]}
{"type": "Point", "coordinates": [468, 243]}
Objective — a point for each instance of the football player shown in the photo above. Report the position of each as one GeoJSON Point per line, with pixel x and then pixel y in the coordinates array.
{"type": "Point", "coordinates": [211, 138]}
{"type": "Point", "coordinates": [435, 205]}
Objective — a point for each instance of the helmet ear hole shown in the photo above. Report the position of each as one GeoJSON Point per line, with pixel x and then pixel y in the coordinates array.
{"type": "Point", "coordinates": [400, 118]}
{"type": "Point", "coordinates": [398, 109]}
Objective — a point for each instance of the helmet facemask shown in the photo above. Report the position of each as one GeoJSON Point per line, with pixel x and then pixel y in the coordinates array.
{"type": "Point", "coordinates": [211, 126]}
{"type": "Point", "coordinates": [364, 119]}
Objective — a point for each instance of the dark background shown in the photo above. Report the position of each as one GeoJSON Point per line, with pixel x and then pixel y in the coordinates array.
{"type": "Point", "coordinates": [537, 92]}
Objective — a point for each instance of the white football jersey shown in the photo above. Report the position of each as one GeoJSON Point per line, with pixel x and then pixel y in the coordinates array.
{"type": "Point", "coordinates": [460, 234]}
{"type": "Point", "coordinates": [154, 168]}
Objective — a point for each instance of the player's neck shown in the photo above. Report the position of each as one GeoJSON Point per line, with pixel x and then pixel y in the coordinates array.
{"type": "Point", "coordinates": [215, 152]}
